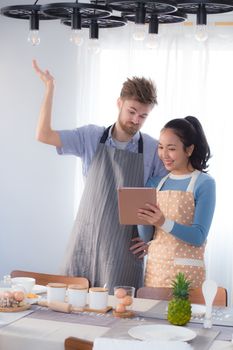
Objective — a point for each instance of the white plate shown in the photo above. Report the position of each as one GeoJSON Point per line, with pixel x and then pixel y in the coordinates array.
{"type": "Point", "coordinates": [162, 332]}
{"type": "Point", "coordinates": [38, 289]}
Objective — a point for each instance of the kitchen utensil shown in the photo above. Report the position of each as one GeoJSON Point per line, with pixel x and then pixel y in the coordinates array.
{"type": "Point", "coordinates": [209, 290]}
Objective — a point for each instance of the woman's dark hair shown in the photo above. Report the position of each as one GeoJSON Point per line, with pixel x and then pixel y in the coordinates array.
{"type": "Point", "coordinates": [190, 132]}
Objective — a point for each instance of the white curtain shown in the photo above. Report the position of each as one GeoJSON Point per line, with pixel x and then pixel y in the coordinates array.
{"type": "Point", "coordinates": [192, 78]}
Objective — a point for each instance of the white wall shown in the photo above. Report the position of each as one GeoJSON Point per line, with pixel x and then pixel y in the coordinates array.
{"type": "Point", "coordinates": [36, 185]}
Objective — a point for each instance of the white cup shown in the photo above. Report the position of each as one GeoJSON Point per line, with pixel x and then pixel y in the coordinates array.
{"type": "Point", "coordinates": [27, 283]}
{"type": "Point", "coordinates": [56, 292]}
{"type": "Point", "coordinates": [98, 298]}
{"type": "Point", "coordinates": [77, 295]}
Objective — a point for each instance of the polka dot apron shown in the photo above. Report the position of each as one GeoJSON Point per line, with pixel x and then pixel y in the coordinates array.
{"type": "Point", "coordinates": [168, 255]}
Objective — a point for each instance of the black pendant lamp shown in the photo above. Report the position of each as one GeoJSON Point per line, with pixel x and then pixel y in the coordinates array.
{"type": "Point", "coordinates": [202, 8]}
{"type": "Point", "coordinates": [32, 13]}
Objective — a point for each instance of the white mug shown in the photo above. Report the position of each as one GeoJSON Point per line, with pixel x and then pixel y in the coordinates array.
{"type": "Point", "coordinates": [26, 282]}
{"type": "Point", "coordinates": [77, 295]}
{"type": "Point", "coordinates": [98, 298]}
{"type": "Point", "coordinates": [56, 292]}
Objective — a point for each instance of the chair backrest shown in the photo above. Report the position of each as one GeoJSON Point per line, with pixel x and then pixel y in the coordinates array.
{"type": "Point", "coordinates": [196, 296]}
{"type": "Point", "coordinates": [73, 343]}
{"type": "Point", "coordinates": [44, 278]}
{"type": "Point", "coordinates": [158, 293]}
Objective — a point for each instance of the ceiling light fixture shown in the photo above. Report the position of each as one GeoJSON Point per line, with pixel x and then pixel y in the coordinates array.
{"type": "Point", "coordinates": [97, 14]}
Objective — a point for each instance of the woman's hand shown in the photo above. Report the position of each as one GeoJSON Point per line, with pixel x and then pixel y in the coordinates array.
{"type": "Point", "coordinates": [140, 247]}
{"type": "Point", "coordinates": [45, 76]}
{"type": "Point", "coordinates": [152, 215]}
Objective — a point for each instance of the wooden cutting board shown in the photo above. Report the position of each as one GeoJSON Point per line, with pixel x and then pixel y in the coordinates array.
{"type": "Point", "coordinates": [15, 309]}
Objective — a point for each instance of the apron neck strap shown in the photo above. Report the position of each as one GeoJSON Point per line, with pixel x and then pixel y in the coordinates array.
{"type": "Point", "coordinates": [162, 182]}
{"type": "Point", "coordinates": [105, 136]}
{"type": "Point", "coordinates": [190, 187]}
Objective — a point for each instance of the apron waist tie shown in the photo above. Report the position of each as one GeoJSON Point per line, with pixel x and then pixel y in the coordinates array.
{"type": "Point", "coordinates": [189, 262]}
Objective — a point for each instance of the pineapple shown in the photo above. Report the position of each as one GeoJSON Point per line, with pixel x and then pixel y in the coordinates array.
{"type": "Point", "coordinates": [179, 308]}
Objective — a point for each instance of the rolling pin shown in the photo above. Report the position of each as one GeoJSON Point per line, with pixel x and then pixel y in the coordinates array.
{"type": "Point", "coordinates": [60, 306]}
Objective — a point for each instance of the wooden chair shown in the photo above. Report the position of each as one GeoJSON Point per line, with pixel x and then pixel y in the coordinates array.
{"type": "Point", "coordinates": [196, 296]}
{"type": "Point", "coordinates": [73, 343]}
{"type": "Point", "coordinates": [44, 278]}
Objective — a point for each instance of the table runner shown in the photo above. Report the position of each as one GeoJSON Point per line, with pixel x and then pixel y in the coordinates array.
{"type": "Point", "coordinates": [221, 316]}
{"type": "Point", "coordinates": [119, 327]}
{"type": "Point", "coordinates": [88, 318]}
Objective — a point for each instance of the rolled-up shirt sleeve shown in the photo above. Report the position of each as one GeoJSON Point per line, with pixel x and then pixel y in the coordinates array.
{"type": "Point", "coordinates": [81, 142]}
{"type": "Point", "coordinates": [72, 142]}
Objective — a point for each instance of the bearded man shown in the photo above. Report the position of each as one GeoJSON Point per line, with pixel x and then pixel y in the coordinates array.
{"type": "Point", "coordinates": [99, 248]}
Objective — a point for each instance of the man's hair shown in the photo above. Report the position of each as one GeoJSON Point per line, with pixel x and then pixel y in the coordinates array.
{"type": "Point", "coordinates": [139, 89]}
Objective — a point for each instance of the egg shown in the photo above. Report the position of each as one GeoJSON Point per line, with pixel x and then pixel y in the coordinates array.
{"type": "Point", "coordinates": [19, 295]}
{"type": "Point", "coordinates": [120, 293]}
{"type": "Point", "coordinates": [7, 295]}
{"type": "Point", "coordinates": [127, 300]}
{"type": "Point", "coordinates": [120, 308]}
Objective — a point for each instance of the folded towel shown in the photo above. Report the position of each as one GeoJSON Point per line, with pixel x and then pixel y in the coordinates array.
{"type": "Point", "coordinates": [125, 344]}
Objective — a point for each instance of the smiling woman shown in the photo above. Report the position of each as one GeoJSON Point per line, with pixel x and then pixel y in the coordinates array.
{"type": "Point", "coordinates": [185, 206]}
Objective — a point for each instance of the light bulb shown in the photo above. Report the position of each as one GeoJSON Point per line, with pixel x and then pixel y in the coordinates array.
{"type": "Point", "coordinates": [76, 37]}
{"type": "Point", "coordinates": [201, 33]}
{"type": "Point", "coordinates": [33, 37]}
{"type": "Point", "coordinates": [152, 41]}
{"type": "Point", "coordinates": [139, 33]}
{"type": "Point", "coordinates": [94, 46]}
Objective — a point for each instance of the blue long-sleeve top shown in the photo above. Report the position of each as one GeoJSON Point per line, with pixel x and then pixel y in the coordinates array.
{"type": "Point", "coordinates": [204, 197]}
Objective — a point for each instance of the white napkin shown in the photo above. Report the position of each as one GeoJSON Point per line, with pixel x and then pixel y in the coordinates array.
{"type": "Point", "coordinates": [125, 344]}
{"type": "Point", "coordinates": [10, 317]}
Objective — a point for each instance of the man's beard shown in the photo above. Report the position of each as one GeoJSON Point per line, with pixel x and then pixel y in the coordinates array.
{"type": "Point", "coordinates": [129, 129]}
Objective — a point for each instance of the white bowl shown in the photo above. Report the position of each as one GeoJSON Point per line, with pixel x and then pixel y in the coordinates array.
{"type": "Point", "coordinates": [26, 282]}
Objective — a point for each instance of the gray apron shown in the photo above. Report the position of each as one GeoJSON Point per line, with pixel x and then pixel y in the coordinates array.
{"type": "Point", "coordinates": [99, 246]}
